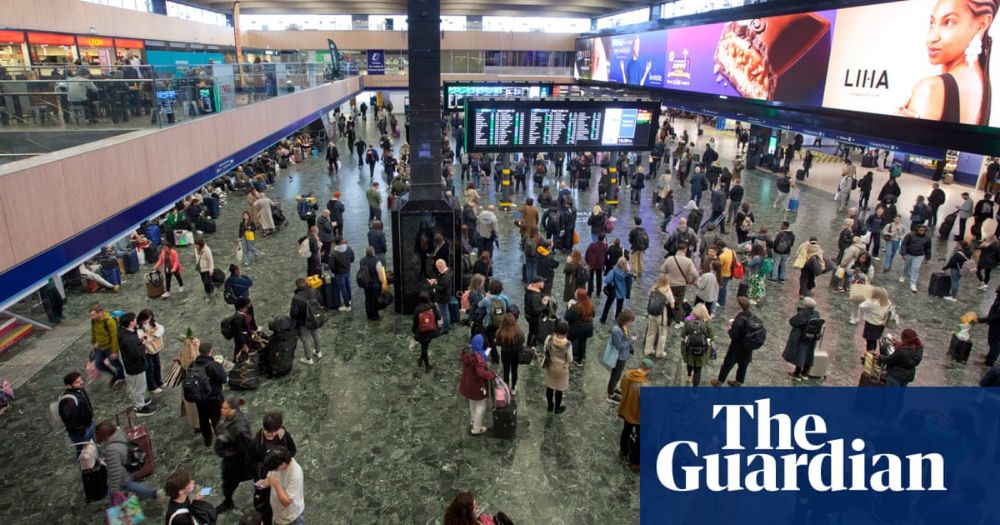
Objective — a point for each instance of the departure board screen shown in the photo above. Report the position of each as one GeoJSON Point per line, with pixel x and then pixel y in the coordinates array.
{"type": "Point", "coordinates": [564, 125]}
{"type": "Point", "coordinates": [456, 93]}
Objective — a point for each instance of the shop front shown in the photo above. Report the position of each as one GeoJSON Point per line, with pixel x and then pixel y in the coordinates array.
{"type": "Point", "coordinates": [12, 50]}
{"type": "Point", "coordinates": [127, 48]}
{"type": "Point", "coordinates": [50, 49]}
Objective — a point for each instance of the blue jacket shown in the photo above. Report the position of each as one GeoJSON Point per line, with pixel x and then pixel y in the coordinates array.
{"type": "Point", "coordinates": [619, 276]}
{"type": "Point", "coordinates": [621, 342]}
{"type": "Point", "coordinates": [697, 183]}
{"type": "Point", "coordinates": [240, 284]}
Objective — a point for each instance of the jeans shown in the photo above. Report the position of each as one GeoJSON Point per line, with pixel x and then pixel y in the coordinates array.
{"type": "Point", "coordinates": [116, 370]}
{"type": "Point", "coordinates": [206, 281]}
{"type": "Point", "coordinates": [310, 341]}
{"type": "Point", "coordinates": [911, 265]}
{"type": "Point", "coordinates": [734, 206]}
{"type": "Point", "coordinates": [891, 249]}
{"type": "Point", "coordinates": [780, 264]}
{"type": "Point", "coordinates": [139, 489]}
{"type": "Point", "coordinates": [476, 411]}
{"type": "Point", "coordinates": [782, 198]}
{"type": "Point", "coordinates": [301, 520]}
{"type": "Point", "coordinates": [529, 268]}
{"type": "Point", "coordinates": [80, 438]}
{"type": "Point", "coordinates": [593, 237]}
{"type": "Point", "coordinates": [696, 197]}
{"type": "Point", "coordinates": [445, 317]}
{"type": "Point", "coordinates": [956, 274]}
{"type": "Point", "coordinates": [723, 291]}
{"type": "Point", "coordinates": [154, 378]}
{"type": "Point", "coordinates": [249, 251]}
{"type": "Point", "coordinates": [341, 289]}
{"type": "Point", "coordinates": [137, 389]}
{"type": "Point", "coordinates": [875, 244]}
{"type": "Point", "coordinates": [892, 381]}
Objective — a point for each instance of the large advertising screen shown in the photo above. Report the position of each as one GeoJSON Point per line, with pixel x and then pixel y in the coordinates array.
{"type": "Point", "coordinates": [560, 125]}
{"type": "Point", "coordinates": [928, 59]}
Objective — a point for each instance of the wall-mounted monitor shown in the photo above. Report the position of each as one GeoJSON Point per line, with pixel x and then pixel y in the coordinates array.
{"type": "Point", "coordinates": [560, 125]}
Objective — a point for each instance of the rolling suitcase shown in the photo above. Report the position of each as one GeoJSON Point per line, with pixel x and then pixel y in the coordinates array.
{"type": "Point", "coordinates": [793, 204]}
{"type": "Point", "coordinates": [154, 284]}
{"type": "Point", "coordinates": [505, 421]}
{"type": "Point", "coordinates": [800, 174]}
{"type": "Point", "coordinates": [153, 234]}
{"type": "Point", "coordinates": [139, 435]}
{"type": "Point", "coordinates": [959, 350]}
{"type": "Point", "coordinates": [869, 380]}
{"type": "Point", "coordinates": [112, 275]}
{"type": "Point", "coordinates": [940, 284]}
{"type": "Point", "coordinates": [947, 224]}
{"type": "Point", "coordinates": [131, 261]}
{"type": "Point", "coordinates": [151, 254]}
{"type": "Point", "coordinates": [95, 483]}
{"type": "Point", "coordinates": [821, 364]}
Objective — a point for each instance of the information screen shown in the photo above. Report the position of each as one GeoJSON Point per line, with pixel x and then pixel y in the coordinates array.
{"type": "Point", "coordinates": [455, 94]}
{"type": "Point", "coordinates": [560, 125]}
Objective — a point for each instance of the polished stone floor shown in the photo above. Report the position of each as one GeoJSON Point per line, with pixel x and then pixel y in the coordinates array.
{"type": "Point", "coordinates": [383, 442]}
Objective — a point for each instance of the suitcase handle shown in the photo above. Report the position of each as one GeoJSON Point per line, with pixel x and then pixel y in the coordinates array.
{"type": "Point", "coordinates": [128, 417]}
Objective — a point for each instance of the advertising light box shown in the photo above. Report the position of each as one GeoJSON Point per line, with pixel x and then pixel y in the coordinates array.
{"type": "Point", "coordinates": [562, 125]}
{"type": "Point", "coordinates": [923, 59]}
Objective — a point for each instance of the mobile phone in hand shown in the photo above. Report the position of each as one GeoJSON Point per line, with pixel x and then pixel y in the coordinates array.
{"type": "Point", "coordinates": [205, 491]}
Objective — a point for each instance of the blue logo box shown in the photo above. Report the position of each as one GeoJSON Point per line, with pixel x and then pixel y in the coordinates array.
{"type": "Point", "coordinates": [819, 456]}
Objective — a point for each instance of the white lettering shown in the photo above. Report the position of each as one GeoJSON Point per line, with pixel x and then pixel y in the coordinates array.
{"type": "Point", "coordinates": [936, 463]}
{"type": "Point", "coordinates": [764, 419]}
{"type": "Point", "coordinates": [836, 460]}
{"type": "Point", "coordinates": [858, 481]}
{"type": "Point", "coordinates": [803, 429]}
{"type": "Point", "coordinates": [889, 478]}
{"type": "Point", "coordinates": [732, 423]}
{"type": "Point", "coordinates": [764, 478]}
{"type": "Point", "coordinates": [713, 479]}
{"type": "Point", "coordinates": [665, 467]}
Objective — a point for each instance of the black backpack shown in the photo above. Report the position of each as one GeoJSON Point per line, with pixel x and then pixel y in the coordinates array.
{"type": "Point", "coordinates": [314, 318]}
{"type": "Point", "coordinates": [784, 184]}
{"type": "Point", "coordinates": [657, 303]}
{"type": "Point", "coordinates": [756, 334]}
{"type": "Point", "coordinates": [228, 327]}
{"type": "Point", "coordinates": [813, 330]}
{"type": "Point", "coordinates": [228, 295]}
{"type": "Point", "coordinates": [783, 243]}
{"type": "Point", "coordinates": [641, 240]}
{"type": "Point", "coordinates": [696, 335]}
{"type": "Point", "coordinates": [582, 275]}
{"type": "Point", "coordinates": [363, 278]}
{"type": "Point", "coordinates": [196, 385]}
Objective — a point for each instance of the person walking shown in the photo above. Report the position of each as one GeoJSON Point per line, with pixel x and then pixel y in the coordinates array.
{"type": "Point", "coordinates": [965, 210]}
{"type": "Point", "coordinates": [374, 198]}
{"type": "Point", "coordinates": [233, 440]}
{"type": "Point", "coordinates": [958, 257]}
{"type": "Point", "coordinates": [901, 365]}
{"type": "Point", "coordinates": [935, 200]}
{"type": "Point", "coordinates": [865, 187]}
{"type": "Point", "coordinates": [696, 342]}
{"type": "Point", "coordinates": [76, 411]}
{"type": "Point", "coordinates": [208, 370]}
{"type": "Point", "coordinates": [620, 346]}
{"type": "Point", "coordinates": [476, 377]}
{"type": "Point", "coordinates": [681, 272]}
{"type": "Point", "coordinates": [443, 293]}
{"type": "Point", "coordinates": [580, 317]}
{"type": "Point", "coordinates": [616, 288]}
{"type": "Point", "coordinates": [206, 265]}
{"type": "Point", "coordinates": [738, 354]}
{"type": "Point", "coordinates": [303, 311]}
{"type": "Point", "coordinates": [915, 248]}
{"type": "Point", "coordinates": [557, 355]}
{"type": "Point", "coordinates": [425, 328]}
{"type": "Point", "coordinates": [708, 286]}
{"type": "Point", "coordinates": [271, 436]}
{"type": "Point", "coordinates": [800, 348]}
{"type": "Point", "coordinates": [638, 240]}
{"type": "Point", "coordinates": [333, 156]}
{"type": "Point", "coordinates": [875, 312]}
{"type": "Point", "coordinates": [510, 341]}
{"type": "Point", "coordinates": [597, 221]}
{"type": "Point", "coordinates": [631, 385]}
{"type": "Point", "coordinates": [781, 249]}
{"type": "Point", "coordinates": [341, 259]}
{"type": "Point", "coordinates": [848, 181]}
{"type": "Point", "coordinates": [171, 264]}
{"type": "Point", "coordinates": [813, 266]}
{"type": "Point", "coordinates": [893, 233]}
{"type": "Point", "coordinates": [114, 444]}
{"type": "Point", "coordinates": [151, 336]}
{"type": "Point", "coordinates": [659, 305]}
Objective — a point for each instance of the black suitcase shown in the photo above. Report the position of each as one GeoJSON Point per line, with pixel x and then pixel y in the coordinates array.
{"type": "Point", "coordinates": [959, 350]}
{"type": "Point", "coordinates": [947, 224]}
{"type": "Point", "coordinates": [151, 253]}
{"type": "Point", "coordinates": [209, 226]}
{"type": "Point", "coordinates": [95, 483]}
{"type": "Point", "coordinates": [505, 421]}
{"type": "Point", "coordinates": [131, 261]}
{"type": "Point", "coordinates": [940, 284]}
{"type": "Point", "coordinates": [279, 354]}
{"type": "Point", "coordinates": [800, 174]}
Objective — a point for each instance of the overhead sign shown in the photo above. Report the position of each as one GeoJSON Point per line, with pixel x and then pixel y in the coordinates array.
{"type": "Point", "coordinates": [911, 58]}
{"type": "Point", "coordinates": [455, 94]}
{"type": "Point", "coordinates": [376, 62]}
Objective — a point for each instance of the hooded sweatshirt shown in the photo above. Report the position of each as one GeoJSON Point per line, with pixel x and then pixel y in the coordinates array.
{"type": "Point", "coordinates": [628, 409]}
{"type": "Point", "coordinates": [341, 258]}
{"type": "Point", "coordinates": [115, 454]}
{"type": "Point", "coordinates": [475, 372]}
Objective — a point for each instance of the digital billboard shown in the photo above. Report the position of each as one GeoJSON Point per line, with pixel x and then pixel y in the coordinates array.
{"type": "Point", "coordinates": [928, 59]}
{"type": "Point", "coordinates": [560, 125]}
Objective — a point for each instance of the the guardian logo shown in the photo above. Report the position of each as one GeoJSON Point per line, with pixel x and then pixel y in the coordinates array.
{"type": "Point", "coordinates": [791, 455]}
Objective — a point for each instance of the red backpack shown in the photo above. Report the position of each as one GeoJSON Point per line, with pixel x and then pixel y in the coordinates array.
{"type": "Point", "coordinates": [426, 321]}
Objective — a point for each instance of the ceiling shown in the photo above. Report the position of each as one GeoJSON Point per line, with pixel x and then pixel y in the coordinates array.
{"type": "Point", "coordinates": [571, 8]}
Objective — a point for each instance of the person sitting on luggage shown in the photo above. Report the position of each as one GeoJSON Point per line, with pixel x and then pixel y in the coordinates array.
{"type": "Point", "coordinates": [114, 446]}
{"type": "Point", "coordinates": [800, 349]}
{"type": "Point", "coordinates": [186, 507]}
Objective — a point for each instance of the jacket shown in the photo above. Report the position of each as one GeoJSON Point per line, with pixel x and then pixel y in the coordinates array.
{"type": "Point", "coordinates": [559, 356]}
{"type": "Point", "coordinates": [75, 410]}
{"type": "Point", "coordinates": [615, 252]}
{"type": "Point", "coordinates": [632, 382]}
{"type": "Point", "coordinates": [686, 236]}
{"type": "Point", "coordinates": [621, 341]}
{"type": "Point", "coordinates": [336, 211]}
{"type": "Point", "coordinates": [799, 351]}
{"type": "Point", "coordinates": [216, 375]}
{"type": "Point", "coordinates": [547, 268]}
{"type": "Point", "coordinates": [341, 259]}
{"type": "Point", "coordinates": [916, 245]}
{"type": "Point", "coordinates": [486, 224]}
{"type": "Point", "coordinates": [736, 194]}
{"type": "Point", "coordinates": [595, 255]}
{"type": "Point", "coordinates": [240, 285]}
{"type": "Point", "coordinates": [596, 223]}
{"type": "Point", "coordinates": [737, 332]}
{"type": "Point", "coordinates": [376, 239]}
{"type": "Point", "coordinates": [901, 365]}
{"type": "Point", "coordinates": [299, 301]}
{"type": "Point", "coordinates": [989, 256]}
{"type": "Point", "coordinates": [114, 451]}
{"type": "Point", "coordinates": [577, 326]}
{"type": "Point", "coordinates": [965, 209]}
{"type": "Point", "coordinates": [374, 198]}
{"type": "Point", "coordinates": [680, 270]}
{"type": "Point", "coordinates": [698, 183]}
{"type": "Point", "coordinates": [132, 352]}
{"type": "Point", "coordinates": [206, 263]}
{"type": "Point", "coordinates": [169, 261]}
{"type": "Point", "coordinates": [442, 289]}
{"type": "Point", "coordinates": [958, 258]}
{"type": "Point", "coordinates": [261, 446]}
{"type": "Point", "coordinates": [533, 306]}
{"type": "Point", "coordinates": [233, 439]}
{"type": "Point", "coordinates": [708, 287]}
{"type": "Point", "coordinates": [992, 377]}
{"type": "Point", "coordinates": [475, 373]}
{"type": "Point", "coordinates": [325, 226]}
{"type": "Point", "coordinates": [104, 333]}
{"type": "Point", "coordinates": [689, 358]}
{"type": "Point", "coordinates": [424, 337]}
{"type": "Point", "coordinates": [617, 275]}
{"type": "Point", "coordinates": [529, 218]}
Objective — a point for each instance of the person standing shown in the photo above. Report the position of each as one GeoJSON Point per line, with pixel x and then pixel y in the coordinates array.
{"type": "Point", "coordinates": [486, 228]}
{"type": "Point", "coordinates": [373, 284]}
{"type": "Point", "coordinates": [171, 264]}
{"type": "Point", "coordinates": [425, 328]}
{"type": "Point", "coordinates": [336, 209]}
{"type": "Point", "coordinates": [961, 254]}
{"type": "Point", "coordinates": [596, 252]}
{"type": "Point", "coordinates": [638, 240]}
{"type": "Point", "coordinates": [727, 259]}
{"type": "Point", "coordinates": [510, 342]}
{"type": "Point", "coordinates": [76, 411]}
{"type": "Point", "coordinates": [314, 264]}
{"type": "Point", "coordinates": [893, 233]}
{"type": "Point", "coordinates": [374, 198]}
{"type": "Point", "coordinates": [621, 344]}
{"type": "Point", "coordinates": [442, 285]}
{"type": "Point", "coordinates": [341, 259]}
{"type": "Point", "coordinates": [901, 365]}
{"type": "Point", "coordinates": [233, 440]}
{"type": "Point", "coordinates": [114, 445]}
{"type": "Point", "coordinates": [557, 356]}
{"type": "Point", "coordinates": [737, 354]}
{"type": "Point", "coordinates": [326, 233]}
{"type": "Point", "coordinates": [248, 239]}
{"type": "Point", "coordinates": [371, 158]}
{"type": "Point", "coordinates": [133, 357]}
{"type": "Point", "coordinates": [272, 435]}
{"type": "Point", "coordinates": [847, 182]}
{"type": "Point", "coordinates": [696, 343]}
{"type": "Point", "coordinates": [781, 249]}
{"type": "Point", "coordinates": [476, 377]}
{"type": "Point", "coordinates": [915, 248]}
{"type": "Point", "coordinates": [660, 304]}
{"type": "Point", "coordinates": [681, 273]}
{"type": "Point", "coordinates": [935, 200]}
{"type": "Point", "coordinates": [333, 154]}
{"type": "Point", "coordinates": [875, 311]}
{"type": "Point", "coordinates": [964, 212]}
{"type": "Point", "coordinates": [631, 384]}
{"type": "Point", "coordinates": [286, 484]}
{"type": "Point", "coordinates": [865, 187]}
{"type": "Point", "coordinates": [206, 265]}
{"type": "Point", "coordinates": [185, 508]}
{"type": "Point", "coordinates": [151, 336]}
{"type": "Point", "coordinates": [800, 350]}
{"type": "Point", "coordinates": [615, 280]}
{"type": "Point", "coordinates": [580, 316]}
{"type": "Point", "coordinates": [982, 211]}
{"type": "Point", "coordinates": [301, 312]}
{"type": "Point", "coordinates": [989, 257]}
{"type": "Point", "coordinates": [735, 202]}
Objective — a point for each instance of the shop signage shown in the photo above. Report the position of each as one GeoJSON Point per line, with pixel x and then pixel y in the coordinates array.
{"type": "Point", "coordinates": [51, 39]}
{"type": "Point", "coordinates": [8, 37]}
{"type": "Point", "coordinates": [94, 41]}
{"type": "Point", "coordinates": [376, 62]}
{"type": "Point", "coordinates": [126, 43]}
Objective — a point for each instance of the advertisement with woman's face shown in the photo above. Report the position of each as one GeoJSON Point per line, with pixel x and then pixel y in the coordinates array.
{"type": "Point", "coordinates": [593, 59]}
{"type": "Point", "coordinates": [928, 59]}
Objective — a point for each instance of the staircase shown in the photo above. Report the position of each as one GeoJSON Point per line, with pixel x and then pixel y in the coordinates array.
{"type": "Point", "coordinates": [12, 332]}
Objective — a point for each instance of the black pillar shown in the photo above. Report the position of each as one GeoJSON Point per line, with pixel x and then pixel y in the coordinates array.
{"type": "Point", "coordinates": [424, 213]}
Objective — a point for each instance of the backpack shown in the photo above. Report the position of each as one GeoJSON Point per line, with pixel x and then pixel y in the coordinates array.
{"type": "Point", "coordinates": [228, 295]}
{"type": "Point", "coordinates": [363, 277]}
{"type": "Point", "coordinates": [747, 224]}
{"type": "Point", "coordinates": [370, 157]}
{"type": "Point", "coordinates": [314, 312]}
{"type": "Point", "coordinates": [783, 243]}
{"type": "Point", "coordinates": [813, 330]}
{"type": "Point", "coordinates": [55, 418]}
{"type": "Point", "coordinates": [657, 303]}
{"type": "Point", "coordinates": [305, 209]}
{"type": "Point", "coordinates": [426, 322]}
{"type": "Point", "coordinates": [784, 184]}
{"type": "Point", "coordinates": [136, 458]}
{"type": "Point", "coordinates": [497, 310]}
{"type": "Point", "coordinates": [641, 240]}
{"type": "Point", "coordinates": [195, 385]}
{"type": "Point", "coordinates": [228, 327]}
{"type": "Point", "coordinates": [696, 337]}
{"type": "Point", "coordinates": [582, 274]}
{"type": "Point", "coordinates": [756, 333]}
{"type": "Point", "coordinates": [304, 250]}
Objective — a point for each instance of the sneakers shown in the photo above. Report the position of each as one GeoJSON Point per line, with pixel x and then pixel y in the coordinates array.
{"type": "Point", "coordinates": [902, 279]}
{"type": "Point", "coordinates": [513, 391]}
{"type": "Point", "coordinates": [319, 355]}
{"type": "Point", "coordinates": [614, 399]}
{"type": "Point", "coordinates": [715, 382]}
{"type": "Point", "coordinates": [166, 295]}
{"type": "Point", "coordinates": [180, 289]}
{"type": "Point", "coordinates": [147, 410]}
{"type": "Point", "coordinates": [560, 409]}
{"type": "Point", "coordinates": [734, 383]}
{"type": "Point", "coordinates": [876, 259]}
{"type": "Point", "coordinates": [984, 287]}
{"type": "Point", "coordinates": [913, 288]}
{"type": "Point", "coordinates": [852, 321]}
{"type": "Point", "coordinates": [306, 361]}
{"type": "Point", "coordinates": [950, 299]}
{"type": "Point", "coordinates": [344, 309]}
{"type": "Point", "coordinates": [225, 506]}
{"type": "Point", "coordinates": [158, 391]}
{"type": "Point", "coordinates": [478, 431]}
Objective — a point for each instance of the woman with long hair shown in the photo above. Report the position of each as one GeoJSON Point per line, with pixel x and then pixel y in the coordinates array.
{"type": "Point", "coordinates": [171, 264]}
{"type": "Point", "coordinates": [573, 270]}
{"type": "Point", "coordinates": [484, 265]}
{"type": "Point", "coordinates": [957, 41]}
{"type": "Point", "coordinates": [621, 343]}
{"type": "Point", "coordinates": [660, 304]}
{"type": "Point", "coordinates": [151, 335]}
{"type": "Point", "coordinates": [901, 365]}
{"type": "Point", "coordinates": [248, 239]}
{"type": "Point", "coordinates": [464, 510]}
{"type": "Point", "coordinates": [206, 265]}
{"type": "Point", "coordinates": [580, 316]}
{"type": "Point", "coordinates": [696, 342]}
{"type": "Point", "coordinates": [875, 311]}
{"type": "Point", "coordinates": [510, 340]}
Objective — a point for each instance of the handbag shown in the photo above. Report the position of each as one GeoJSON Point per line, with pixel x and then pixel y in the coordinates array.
{"type": "Point", "coordinates": [239, 251]}
{"type": "Point", "coordinates": [738, 271]}
{"type": "Point", "coordinates": [841, 272]}
{"type": "Point", "coordinates": [861, 291]}
{"type": "Point", "coordinates": [125, 511]}
{"type": "Point", "coordinates": [153, 345]}
{"type": "Point", "coordinates": [609, 289]}
{"type": "Point", "coordinates": [248, 235]}
{"type": "Point", "coordinates": [610, 356]}
{"type": "Point", "coordinates": [525, 356]}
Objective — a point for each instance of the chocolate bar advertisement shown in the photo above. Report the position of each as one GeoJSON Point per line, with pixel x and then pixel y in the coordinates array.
{"type": "Point", "coordinates": [920, 58]}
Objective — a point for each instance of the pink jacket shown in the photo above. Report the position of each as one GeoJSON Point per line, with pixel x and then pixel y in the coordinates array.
{"type": "Point", "coordinates": [174, 262]}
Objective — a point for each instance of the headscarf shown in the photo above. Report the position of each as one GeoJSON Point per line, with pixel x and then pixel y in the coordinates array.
{"type": "Point", "coordinates": [478, 345]}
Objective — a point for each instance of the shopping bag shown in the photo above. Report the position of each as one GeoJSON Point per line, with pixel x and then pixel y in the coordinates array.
{"type": "Point", "coordinates": [126, 511]}
{"type": "Point", "coordinates": [610, 357]}
{"type": "Point", "coordinates": [239, 251]}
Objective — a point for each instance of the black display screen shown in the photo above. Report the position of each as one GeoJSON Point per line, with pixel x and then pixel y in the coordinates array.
{"type": "Point", "coordinates": [456, 93]}
{"type": "Point", "coordinates": [560, 125]}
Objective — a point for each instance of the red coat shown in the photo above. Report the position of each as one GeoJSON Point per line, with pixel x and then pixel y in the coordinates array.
{"type": "Point", "coordinates": [475, 376]}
